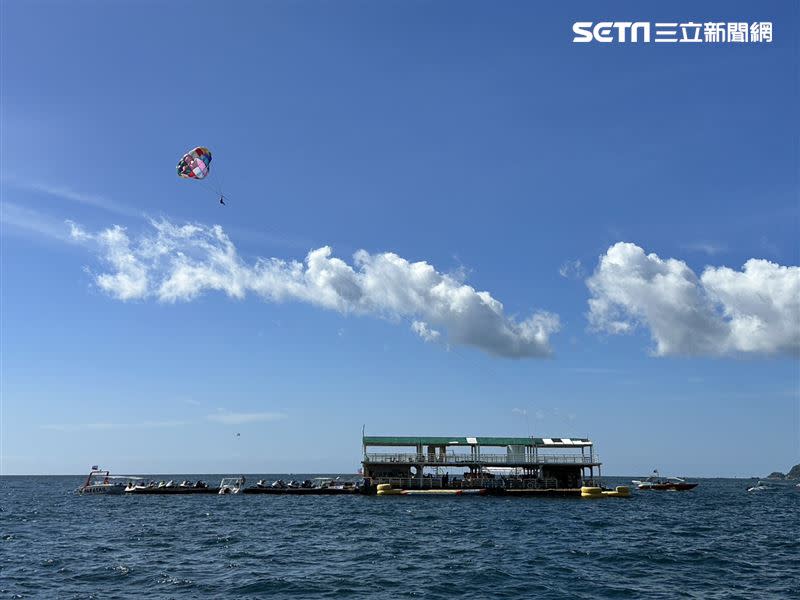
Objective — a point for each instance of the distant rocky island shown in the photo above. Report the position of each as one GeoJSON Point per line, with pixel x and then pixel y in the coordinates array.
{"type": "Point", "coordinates": [794, 473]}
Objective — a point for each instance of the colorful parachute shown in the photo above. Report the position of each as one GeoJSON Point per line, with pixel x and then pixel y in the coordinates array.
{"type": "Point", "coordinates": [195, 164]}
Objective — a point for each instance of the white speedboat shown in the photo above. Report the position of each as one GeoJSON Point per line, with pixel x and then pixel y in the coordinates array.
{"type": "Point", "coordinates": [100, 481]}
{"type": "Point", "coordinates": [758, 487]}
{"type": "Point", "coordinates": [231, 485]}
{"type": "Point", "coordinates": [138, 486]}
{"type": "Point", "coordinates": [658, 483]}
{"type": "Point", "coordinates": [170, 487]}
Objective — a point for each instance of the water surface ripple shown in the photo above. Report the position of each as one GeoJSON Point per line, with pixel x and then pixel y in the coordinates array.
{"type": "Point", "coordinates": [717, 541]}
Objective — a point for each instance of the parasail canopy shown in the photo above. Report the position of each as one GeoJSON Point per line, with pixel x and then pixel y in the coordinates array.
{"type": "Point", "coordinates": [195, 164]}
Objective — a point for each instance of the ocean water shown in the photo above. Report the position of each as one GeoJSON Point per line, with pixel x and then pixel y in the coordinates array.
{"type": "Point", "coordinates": [717, 541]}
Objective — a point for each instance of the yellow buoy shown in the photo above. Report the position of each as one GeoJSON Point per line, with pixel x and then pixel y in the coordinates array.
{"type": "Point", "coordinates": [591, 492]}
{"type": "Point", "coordinates": [621, 491]}
{"type": "Point", "coordinates": [385, 489]}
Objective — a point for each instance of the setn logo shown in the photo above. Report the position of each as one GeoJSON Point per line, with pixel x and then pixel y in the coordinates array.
{"type": "Point", "coordinates": [607, 31]}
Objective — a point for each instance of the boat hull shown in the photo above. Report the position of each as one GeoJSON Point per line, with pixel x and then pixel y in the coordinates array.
{"type": "Point", "coordinates": [445, 492]}
{"type": "Point", "coordinates": [96, 490]}
{"type": "Point", "coordinates": [668, 487]}
{"type": "Point", "coordinates": [300, 491]}
{"type": "Point", "coordinates": [385, 489]}
{"type": "Point", "coordinates": [170, 491]}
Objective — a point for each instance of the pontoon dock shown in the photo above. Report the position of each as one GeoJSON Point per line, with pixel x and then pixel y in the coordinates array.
{"type": "Point", "coordinates": [438, 466]}
{"type": "Point", "coordinates": [499, 465]}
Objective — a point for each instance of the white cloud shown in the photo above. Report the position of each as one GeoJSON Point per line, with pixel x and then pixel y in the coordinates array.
{"type": "Point", "coordinates": [761, 304]}
{"type": "Point", "coordinates": [180, 262]}
{"type": "Point", "coordinates": [426, 333]}
{"type": "Point", "coordinates": [233, 418]}
{"type": "Point", "coordinates": [129, 280]}
{"type": "Point", "coordinates": [752, 311]}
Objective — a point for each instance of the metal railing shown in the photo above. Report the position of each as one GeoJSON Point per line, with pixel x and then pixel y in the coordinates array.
{"type": "Point", "coordinates": [416, 483]}
{"type": "Point", "coordinates": [494, 459]}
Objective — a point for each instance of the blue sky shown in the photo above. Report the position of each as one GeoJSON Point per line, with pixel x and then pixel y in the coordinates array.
{"type": "Point", "coordinates": [474, 137]}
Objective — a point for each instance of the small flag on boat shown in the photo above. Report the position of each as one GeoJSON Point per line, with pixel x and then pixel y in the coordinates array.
{"type": "Point", "coordinates": [95, 467]}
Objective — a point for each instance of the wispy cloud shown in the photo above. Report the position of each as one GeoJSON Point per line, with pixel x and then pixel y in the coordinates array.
{"type": "Point", "coordinates": [572, 269]}
{"type": "Point", "coordinates": [769, 246]}
{"type": "Point", "coordinates": [593, 370]}
{"type": "Point", "coordinates": [709, 248]}
{"type": "Point", "coordinates": [112, 426]}
{"type": "Point", "coordinates": [174, 263]}
{"type": "Point", "coordinates": [542, 414]}
{"type": "Point", "coordinates": [222, 416]}
{"type": "Point", "coordinates": [70, 195]}
{"type": "Point", "coordinates": [28, 220]}
{"type": "Point", "coordinates": [234, 418]}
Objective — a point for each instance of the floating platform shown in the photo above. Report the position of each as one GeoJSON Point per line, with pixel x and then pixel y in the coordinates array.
{"type": "Point", "coordinates": [528, 493]}
{"type": "Point", "coordinates": [387, 490]}
{"type": "Point", "coordinates": [540, 493]}
{"type": "Point", "coordinates": [475, 492]}
{"type": "Point", "coordinates": [302, 491]}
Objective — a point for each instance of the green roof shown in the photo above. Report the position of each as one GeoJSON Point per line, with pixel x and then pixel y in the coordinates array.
{"type": "Point", "coordinates": [379, 440]}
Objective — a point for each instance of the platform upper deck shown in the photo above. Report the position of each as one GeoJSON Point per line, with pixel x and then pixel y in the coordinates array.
{"type": "Point", "coordinates": [495, 442]}
{"type": "Point", "coordinates": [478, 451]}
{"type": "Point", "coordinates": [486, 460]}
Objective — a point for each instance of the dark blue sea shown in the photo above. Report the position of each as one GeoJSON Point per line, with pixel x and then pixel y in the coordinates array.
{"type": "Point", "coordinates": [717, 541]}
